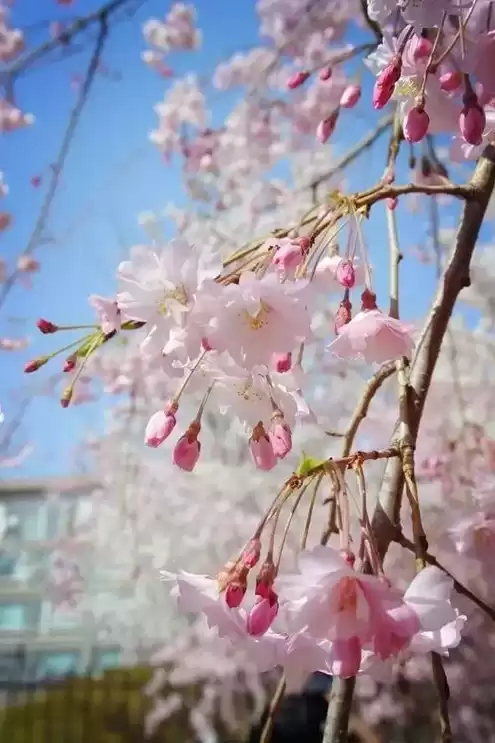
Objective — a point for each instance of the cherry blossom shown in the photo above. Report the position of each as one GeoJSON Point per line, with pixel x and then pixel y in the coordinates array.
{"type": "Point", "coordinates": [373, 336]}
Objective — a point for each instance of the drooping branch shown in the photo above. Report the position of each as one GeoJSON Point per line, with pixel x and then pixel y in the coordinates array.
{"type": "Point", "coordinates": [454, 279]}
{"type": "Point", "coordinates": [76, 28]}
{"type": "Point", "coordinates": [37, 233]}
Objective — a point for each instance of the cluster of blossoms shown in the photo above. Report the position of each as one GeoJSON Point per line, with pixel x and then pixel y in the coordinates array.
{"type": "Point", "coordinates": [239, 339]}
{"type": "Point", "coordinates": [175, 32]}
{"type": "Point", "coordinates": [436, 60]}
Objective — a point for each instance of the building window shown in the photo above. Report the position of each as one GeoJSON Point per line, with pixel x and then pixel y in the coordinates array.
{"type": "Point", "coordinates": [19, 617]}
{"type": "Point", "coordinates": [57, 664]}
{"type": "Point", "coordinates": [26, 518]}
{"type": "Point", "coordinates": [106, 659]}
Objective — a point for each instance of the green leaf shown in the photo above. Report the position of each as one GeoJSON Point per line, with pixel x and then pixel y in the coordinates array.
{"type": "Point", "coordinates": [307, 464]}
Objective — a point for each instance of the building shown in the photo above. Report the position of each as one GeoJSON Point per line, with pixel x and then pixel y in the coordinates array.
{"type": "Point", "coordinates": [37, 641]}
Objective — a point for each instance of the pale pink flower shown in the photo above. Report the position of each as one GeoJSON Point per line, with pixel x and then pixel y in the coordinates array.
{"type": "Point", "coordinates": [108, 313]}
{"type": "Point", "coordinates": [259, 317]}
{"type": "Point", "coordinates": [373, 336]}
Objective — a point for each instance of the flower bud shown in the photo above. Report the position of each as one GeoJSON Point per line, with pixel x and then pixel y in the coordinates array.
{"type": "Point", "coordinates": [350, 96]}
{"type": "Point", "coordinates": [345, 274]}
{"type": "Point", "coordinates": [390, 74]}
{"type": "Point", "coordinates": [415, 124]}
{"type": "Point", "coordinates": [381, 95]}
{"type": "Point", "coordinates": [297, 79]}
{"type": "Point", "coordinates": [67, 396]}
{"type": "Point", "coordinates": [160, 426]}
{"type": "Point", "coordinates": [35, 364]}
{"type": "Point", "coordinates": [261, 449]}
{"type": "Point", "coordinates": [472, 123]}
{"type": "Point", "coordinates": [368, 301]}
{"type": "Point", "coordinates": [421, 48]}
{"type": "Point", "coordinates": [251, 552]}
{"type": "Point", "coordinates": [5, 220]}
{"type": "Point", "coordinates": [288, 256]}
{"type": "Point", "coordinates": [46, 327]}
{"type": "Point", "coordinates": [280, 436]}
{"type": "Point", "coordinates": [70, 363]}
{"type": "Point", "coordinates": [343, 315]}
{"type": "Point", "coordinates": [450, 81]}
{"type": "Point", "coordinates": [235, 592]}
{"type": "Point", "coordinates": [262, 615]}
{"type": "Point", "coordinates": [392, 203]}
{"type": "Point", "coordinates": [326, 127]}
{"type": "Point", "coordinates": [326, 74]}
{"type": "Point", "coordinates": [282, 362]}
{"type": "Point", "coordinates": [188, 448]}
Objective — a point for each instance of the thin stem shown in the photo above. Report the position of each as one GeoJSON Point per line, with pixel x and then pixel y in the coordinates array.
{"type": "Point", "coordinates": [395, 258]}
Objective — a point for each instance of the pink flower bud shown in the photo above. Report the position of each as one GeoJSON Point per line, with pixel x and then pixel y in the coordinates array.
{"type": "Point", "coordinates": [67, 396]}
{"type": "Point", "coordinates": [450, 81]}
{"type": "Point", "coordinates": [368, 301]}
{"type": "Point", "coordinates": [70, 363]}
{"type": "Point", "coordinates": [345, 274]}
{"type": "Point", "coordinates": [472, 123]}
{"type": "Point", "coordinates": [392, 203]}
{"type": "Point", "coordinates": [205, 344]}
{"type": "Point", "coordinates": [35, 364]}
{"type": "Point", "coordinates": [282, 362]}
{"type": "Point", "coordinates": [261, 449]}
{"type": "Point", "coordinates": [160, 426]}
{"type": "Point", "coordinates": [421, 48]}
{"type": "Point", "coordinates": [297, 79]}
{"type": "Point", "coordinates": [234, 593]}
{"type": "Point", "coordinates": [45, 326]}
{"type": "Point", "coordinates": [326, 127]}
{"type": "Point", "coordinates": [251, 552]}
{"type": "Point", "coordinates": [415, 124]}
{"type": "Point", "coordinates": [350, 96]}
{"type": "Point", "coordinates": [343, 315]}
{"type": "Point", "coordinates": [188, 448]}
{"type": "Point", "coordinates": [5, 220]}
{"type": "Point", "coordinates": [390, 74]}
{"type": "Point", "coordinates": [280, 436]}
{"type": "Point", "coordinates": [326, 74]}
{"type": "Point", "coordinates": [261, 616]}
{"type": "Point", "coordinates": [288, 256]}
{"type": "Point", "coordinates": [381, 95]}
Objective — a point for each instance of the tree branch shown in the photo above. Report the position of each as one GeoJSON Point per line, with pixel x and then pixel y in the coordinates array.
{"type": "Point", "coordinates": [81, 24]}
{"type": "Point", "coordinates": [363, 144]}
{"type": "Point", "coordinates": [386, 515]}
{"type": "Point", "coordinates": [76, 112]}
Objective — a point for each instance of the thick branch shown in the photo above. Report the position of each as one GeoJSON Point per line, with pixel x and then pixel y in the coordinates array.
{"type": "Point", "coordinates": [385, 517]}
{"type": "Point", "coordinates": [455, 278]}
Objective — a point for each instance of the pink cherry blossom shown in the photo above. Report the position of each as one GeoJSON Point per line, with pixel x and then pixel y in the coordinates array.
{"type": "Point", "coordinates": [261, 448]}
{"type": "Point", "coordinates": [108, 313]}
{"type": "Point", "coordinates": [280, 436]}
{"type": "Point", "coordinates": [259, 317]}
{"type": "Point", "coordinates": [188, 448]}
{"type": "Point", "coordinates": [373, 336]}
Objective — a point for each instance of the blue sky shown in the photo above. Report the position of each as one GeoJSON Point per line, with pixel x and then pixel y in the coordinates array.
{"type": "Point", "coordinates": [112, 174]}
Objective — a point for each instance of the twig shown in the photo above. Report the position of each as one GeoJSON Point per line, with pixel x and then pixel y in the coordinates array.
{"type": "Point", "coordinates": [363, 456]}
{"type": "Point", "coordinates": [363, 144]}
{"type": "Point", "coordinates": [443, 691]}
{"type": "Point", "coordinates": [339, 709]}
{"type": "Point", "coordinates": [74, 118]}
{"type": "Point", "coordinates": [79, 25]}
{"type": "Point", "coordinates": [459, 587]}
{"type": "Point", "coordinates": [276, 699]}
{"type": "Point", "coordinates": [455, 278]}
{"type": "Point", "coordinates": [460, 191]}
{"type": "Point", "coordinates": [361, 411]}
